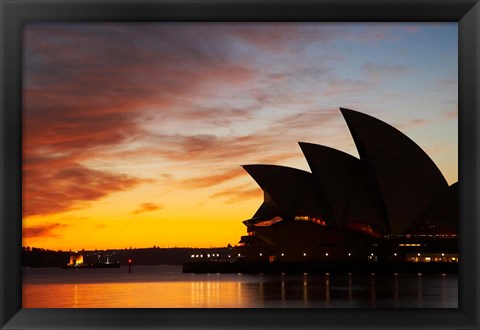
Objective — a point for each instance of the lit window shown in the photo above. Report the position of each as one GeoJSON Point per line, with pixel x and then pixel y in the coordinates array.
{"type": "Point", "coordinates": [267, 223]}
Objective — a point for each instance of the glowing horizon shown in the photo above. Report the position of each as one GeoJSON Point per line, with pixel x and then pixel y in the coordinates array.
{"type": "Point", "coordinates": [134, 133]}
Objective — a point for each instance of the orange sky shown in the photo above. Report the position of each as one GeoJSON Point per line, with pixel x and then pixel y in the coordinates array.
{"type": "Point", "coordinates": [134, 133]}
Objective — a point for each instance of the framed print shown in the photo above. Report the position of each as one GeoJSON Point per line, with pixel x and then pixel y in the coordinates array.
{"type": "Point", "coordinates": [243, 164]}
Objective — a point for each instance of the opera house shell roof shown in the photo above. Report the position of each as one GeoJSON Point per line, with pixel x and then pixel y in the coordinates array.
{"type": "Point", "coordinates": [394, 188]}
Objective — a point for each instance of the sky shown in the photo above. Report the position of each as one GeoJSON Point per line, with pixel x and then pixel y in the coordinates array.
{"type": "Point", "coordinates": [134, 133]}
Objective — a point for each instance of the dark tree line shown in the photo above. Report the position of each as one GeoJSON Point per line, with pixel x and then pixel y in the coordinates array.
{"type": "Point", "coordinates": [36, 257]}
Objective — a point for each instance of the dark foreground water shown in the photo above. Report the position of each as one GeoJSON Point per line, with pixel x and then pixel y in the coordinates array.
{"type": "Point", "coordinates": [166, 286]}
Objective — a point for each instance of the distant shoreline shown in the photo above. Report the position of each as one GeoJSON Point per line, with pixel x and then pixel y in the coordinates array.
{"type": "Point", "coordinates": [39, 257]}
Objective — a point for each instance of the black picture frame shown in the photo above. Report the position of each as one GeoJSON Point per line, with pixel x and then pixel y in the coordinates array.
{"type": "Point", "coordinates": [14, 13]}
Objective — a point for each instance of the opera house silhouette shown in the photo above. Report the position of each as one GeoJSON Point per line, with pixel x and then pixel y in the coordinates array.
{"type": "Point", "coordinates": [391, 204]}
{"type": "Point", "coordinates": [389, 210]}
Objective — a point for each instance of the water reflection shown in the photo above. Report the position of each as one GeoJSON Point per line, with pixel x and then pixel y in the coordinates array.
{"type": "Point", "coordinates": [305, 290]}
{"type": "Point", "coordinates": [373, 296]}
{"type": "Point", "coordinates": [350, 295]}
{"type": "Point", "coordinates": [154, 287]}
{"type": "Point", "coordinates": [419, 290]}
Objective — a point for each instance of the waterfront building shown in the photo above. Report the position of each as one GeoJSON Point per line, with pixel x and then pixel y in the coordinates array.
{"type": "Point", "coordinates": [76, 259]}
{"type": "Point", "coordinates": [391, 204]}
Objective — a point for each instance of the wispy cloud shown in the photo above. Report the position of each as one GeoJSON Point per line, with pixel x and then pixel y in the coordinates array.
{"type": "Point", "coordinates": [55, 190]}
{"type": "Point", "coordinates": [211, 180]}
{"type": "Point", "coordinates": [447, 83]}
{"type": "Point", "coordinates": [239, 193]}
{"type": "Point", "coordinates": [147, 207]}
{"type": "Point", "coordinates": [386, 70]}
{"type": "Point", "coordinates": [412, 124]}
{"type": "Point", "coordinates": [43, 230]}
{"type": "Point", "coordinates": [452, 114]}
{"type": "Point", "coordinates": [308, 120]}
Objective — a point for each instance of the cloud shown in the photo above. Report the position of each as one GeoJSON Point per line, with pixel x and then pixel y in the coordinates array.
{"type": "Point", "coordinates": [211, 180]}
{"type": "Point", "coordinates": [134, 92]}
{"type": "Point", "coordinates": [386, 70]}
{"type": "Point", "coordinates": [239, 193]}
{"type": "Point", "coordinates": [453, 114]}
{"type": "Point", "coordinates": [233, 173]}
{"type": "Point", "coordinates": [44, 230]}
{"type": "Point", "coordinates": [147, 207]}
{"type": "Point", "coordinates": [412, 124]}
{"type": "Point", "coordinates": [55, 190]}
{"type": "Point", "coordinates": [216, 116]}
{"type": "Point", "coordinates": [89, 83]}
{"type": "Point", "coordinates": [337, 87]}
{"type": "Point", "coordinates": [307, 120]}
{"type": "Point", "coordinates": [280, 157]}
{"type": "Point", "coordinates": [86, 86]}
{"type": "Point", "coordinates": [207, 148]}
{"type": "Point", "coordinates": [446, 83]}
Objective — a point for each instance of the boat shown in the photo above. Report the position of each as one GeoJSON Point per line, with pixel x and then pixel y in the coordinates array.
{"type": "Point", "coordinates": [93, 265]}
{"type": "Point", "coordinates": [77, 262]}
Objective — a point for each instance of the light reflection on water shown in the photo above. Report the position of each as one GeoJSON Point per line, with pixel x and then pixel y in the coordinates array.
{"type": "Point", "coordinates": [166, 286]}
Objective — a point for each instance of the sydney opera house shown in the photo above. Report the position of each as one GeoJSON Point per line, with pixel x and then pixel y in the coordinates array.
{"type": "Point", "coordinates": [391, 204]}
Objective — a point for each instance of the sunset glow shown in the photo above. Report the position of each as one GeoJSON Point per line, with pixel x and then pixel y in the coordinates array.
{"type": "Point", "coordinates": [134, 134]}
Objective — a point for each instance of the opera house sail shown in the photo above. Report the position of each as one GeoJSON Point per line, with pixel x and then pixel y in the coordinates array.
{"type": "Point", "coordinates": [391, 204]}
{"type": "Point", "coordinates": [391, 209]}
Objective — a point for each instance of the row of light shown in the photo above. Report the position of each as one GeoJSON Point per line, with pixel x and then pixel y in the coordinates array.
{"type": "Point", "coordinates": [208, 255]}
{"type": "Point", "coordinates": [283, 254]}
{"type": "Point", "coordinates": [349, 254]}
{"type": "Point", "coordinates": [422, 235]}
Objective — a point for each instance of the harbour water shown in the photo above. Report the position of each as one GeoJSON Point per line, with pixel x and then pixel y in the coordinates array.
{"type": "Point", "coordinates": [168, 287]}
